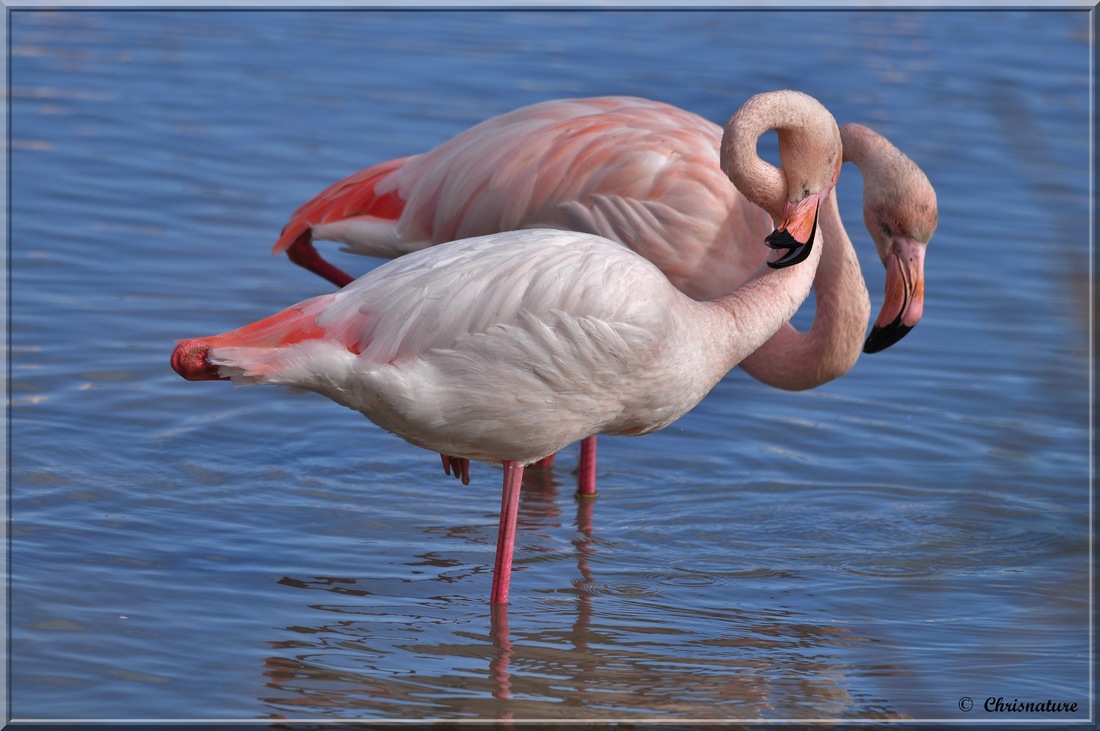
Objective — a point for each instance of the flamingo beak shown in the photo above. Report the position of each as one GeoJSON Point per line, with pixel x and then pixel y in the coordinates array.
{"type": "Point", "coordinates": [904, 302]}
{"type": "Point", "coordinates": [796, 233]}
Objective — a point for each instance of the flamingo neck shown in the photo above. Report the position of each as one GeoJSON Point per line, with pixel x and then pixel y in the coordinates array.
{"type": "Point", "coordinates": [796, 361]}
{"type": "Point", "coordinates": [747, 317]}
{"type": "Point", "coordinates": [805, 129]}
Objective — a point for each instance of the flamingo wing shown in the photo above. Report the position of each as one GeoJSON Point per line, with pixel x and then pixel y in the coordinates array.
{"type": "Point", "coordinates": [518, 170]}
{"type": "Point", "coordinates": [437, 299]}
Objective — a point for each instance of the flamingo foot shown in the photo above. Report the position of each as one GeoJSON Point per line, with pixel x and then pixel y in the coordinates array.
{"type": "Point", "coordinates": [459, 466]}
{"type": "Point", "coordinates": [506, 534]}
{"type": "Point", "coordinates": [303, 253]}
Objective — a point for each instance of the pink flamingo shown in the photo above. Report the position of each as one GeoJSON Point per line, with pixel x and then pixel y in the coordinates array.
{"type": "Point", "coordinates": [506, 348]}
{"type": "Point", "coordinates": [641, 173]}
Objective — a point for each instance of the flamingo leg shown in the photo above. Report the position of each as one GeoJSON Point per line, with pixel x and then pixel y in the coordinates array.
{"type": "Point", "coordinates": [502, 643]}
{"type": "Point", "coordinates": [506, 536]}
{"type": "Point", "coordinates": [302, 253]}
{"type": "Point", "coordinates": [545, 462]}
{"type": "Point", "coordinates": [586, 468]}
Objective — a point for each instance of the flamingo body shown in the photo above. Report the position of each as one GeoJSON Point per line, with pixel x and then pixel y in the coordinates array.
{"type": "Point", "coordinates": [639, 172]}
{"type": "Point", "coordinates": [500, 348]}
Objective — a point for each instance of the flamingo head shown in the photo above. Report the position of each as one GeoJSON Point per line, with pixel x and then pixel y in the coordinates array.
{"type": "Point", "coordinates": [900, 212]}
{"type": "Point", "coordinates": [810, 154]}
{"type": "Point", "coordinates": [797, 224]}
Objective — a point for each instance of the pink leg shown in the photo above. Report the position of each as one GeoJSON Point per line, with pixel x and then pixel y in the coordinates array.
{"type": "Point", "coordinates": [506, 536]}
{"type": "Point", "coordinates": [586, 469]}
{"type": "Point", "coordinates": [545, 462]}
{"type": "Point", "coordinates": [502, 642]}
{"type": "Point", "coordinates": [302, 253]}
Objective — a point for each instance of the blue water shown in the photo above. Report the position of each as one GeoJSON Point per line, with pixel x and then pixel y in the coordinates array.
{"type": "Point", "coordinates": [912, 534]}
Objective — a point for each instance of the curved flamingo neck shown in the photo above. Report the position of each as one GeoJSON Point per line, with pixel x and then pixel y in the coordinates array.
{"type": "Point", "coordinates": [795, 360]}
{"type": "Point", "coordinates": [743, 320]}
{"type": "Point", "coordinates": [805, 130]}
{"type": "Point", "coordinates": [761, 182]}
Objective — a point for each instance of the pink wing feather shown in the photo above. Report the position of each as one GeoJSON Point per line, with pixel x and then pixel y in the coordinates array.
{"type": "Point", "coordinates": [356, 195]}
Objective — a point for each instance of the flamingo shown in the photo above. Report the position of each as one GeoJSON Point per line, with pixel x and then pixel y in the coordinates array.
{"type": "Point", "coordinates": [507, 347]}
{"type": "Point", "coordinates": [642, 173]}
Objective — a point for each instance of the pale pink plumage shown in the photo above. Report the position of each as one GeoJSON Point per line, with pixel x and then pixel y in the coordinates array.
{"type": "Point", "coordinates": [508, 347]}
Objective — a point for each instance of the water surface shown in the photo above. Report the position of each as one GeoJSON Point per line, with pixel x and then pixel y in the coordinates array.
{"type": "Point", "coordinates": [912, 534]}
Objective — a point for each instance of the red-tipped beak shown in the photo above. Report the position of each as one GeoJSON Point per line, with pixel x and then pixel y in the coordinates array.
{"type": "Point", "coordinates": [904, 302]}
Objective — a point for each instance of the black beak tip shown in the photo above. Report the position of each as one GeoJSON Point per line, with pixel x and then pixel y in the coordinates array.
{"type": "Point", "coordinates": [795, 255]}
{"type": "Point", "coordinates": [797, 251]}
{"type": "Point", "coordinates": [882, 338]}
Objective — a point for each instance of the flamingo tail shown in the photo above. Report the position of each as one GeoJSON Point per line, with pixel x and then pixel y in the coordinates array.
{"type": "Point", "coordinates": [354, 197]}
{"type": "Point", "coordinates": [293, 325]}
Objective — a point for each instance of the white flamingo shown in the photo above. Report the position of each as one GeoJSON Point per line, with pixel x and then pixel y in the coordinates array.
{"type": "Point", "coordinates": [508, 347]}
